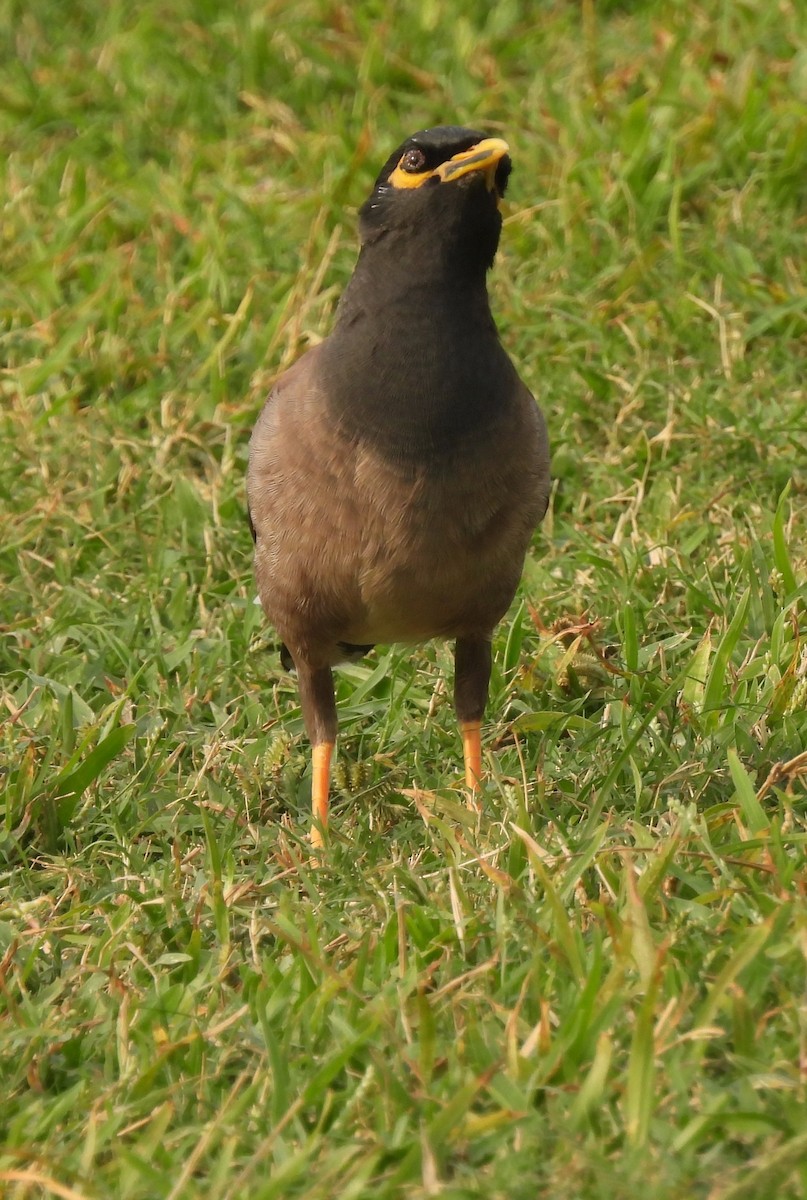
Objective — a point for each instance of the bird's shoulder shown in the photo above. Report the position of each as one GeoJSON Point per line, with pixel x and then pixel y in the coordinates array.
{"type": "Point", "coordinates": [299, 466]}
{"type": "Point", "coordinates": [296, 391]}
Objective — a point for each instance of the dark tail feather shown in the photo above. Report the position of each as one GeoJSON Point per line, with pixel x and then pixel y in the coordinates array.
{"type": "Point", "coordinates": [353, 653]}
{"type": "Point", "coordinates": [350, 653]}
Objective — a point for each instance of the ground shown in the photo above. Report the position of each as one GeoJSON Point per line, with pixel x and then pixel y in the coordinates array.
{"type": "Point", "coordinates": [596, 986]}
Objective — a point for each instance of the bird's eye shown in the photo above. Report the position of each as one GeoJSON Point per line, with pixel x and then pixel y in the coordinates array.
{"type": "Point", "coordinates": [413, 161]}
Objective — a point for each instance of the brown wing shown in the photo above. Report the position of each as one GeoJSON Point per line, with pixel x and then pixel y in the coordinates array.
{"type": "Point", "coordinates": [299, 489]}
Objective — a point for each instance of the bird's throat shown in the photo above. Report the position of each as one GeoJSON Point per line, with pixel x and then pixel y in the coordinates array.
{"type": "Point", "coordinates": [414, 368]}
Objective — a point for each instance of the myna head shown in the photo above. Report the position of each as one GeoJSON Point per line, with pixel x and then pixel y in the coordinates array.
{"type": "Point", "coordinates": [440, 190]}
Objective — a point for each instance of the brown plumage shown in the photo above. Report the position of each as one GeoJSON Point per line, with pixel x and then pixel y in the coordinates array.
{"type": "Point", "coordinates": [398, 470]}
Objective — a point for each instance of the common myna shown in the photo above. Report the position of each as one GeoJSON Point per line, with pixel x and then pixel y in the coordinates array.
{"type": "Point", "coordinates": [399, 468]}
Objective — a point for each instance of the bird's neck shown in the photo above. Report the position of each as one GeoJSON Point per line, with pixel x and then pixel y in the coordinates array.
{"type": "Point", "coordinates": [396, 270]}
{"type": "Point", "coordinates": [414, 362]}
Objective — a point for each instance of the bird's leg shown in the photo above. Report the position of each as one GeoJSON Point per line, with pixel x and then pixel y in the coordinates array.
{"type": "Point", "coordinates": [319, 713]}
{"type": "Point", "coordinates": [471, 678]}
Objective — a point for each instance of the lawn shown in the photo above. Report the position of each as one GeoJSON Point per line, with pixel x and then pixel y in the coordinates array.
{"type": "Point", "coordinates": [593, 989]}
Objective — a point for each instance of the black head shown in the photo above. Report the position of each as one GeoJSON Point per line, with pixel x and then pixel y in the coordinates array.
{"type": "Point", "coordinates": [441, 189]}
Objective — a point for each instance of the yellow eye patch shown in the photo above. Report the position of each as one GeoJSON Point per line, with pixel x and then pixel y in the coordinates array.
{"type": "Point", "coordinates": [407, 179]}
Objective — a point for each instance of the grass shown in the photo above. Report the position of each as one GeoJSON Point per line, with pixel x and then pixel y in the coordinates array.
{"type": "Point", "coordinates": [596, 986]}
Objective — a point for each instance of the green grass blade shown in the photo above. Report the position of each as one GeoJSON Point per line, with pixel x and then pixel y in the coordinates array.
{"type": "Point", "coordinates": [753, 811]}
{"type": "Point", "coordinates": [68, 789]}
{"type": "Point", "coordinates": [715, 699]}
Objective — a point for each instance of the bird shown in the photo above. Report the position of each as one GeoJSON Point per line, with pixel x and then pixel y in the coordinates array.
{"type": "Point", "coordinates": [399, 468]}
